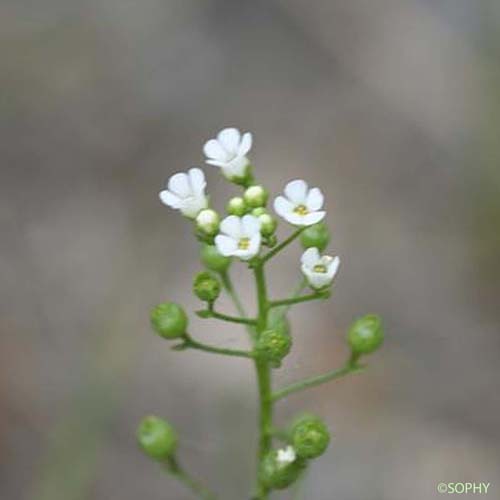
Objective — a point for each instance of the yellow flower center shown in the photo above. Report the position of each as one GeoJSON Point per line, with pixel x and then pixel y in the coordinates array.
{"type": "Point", "coordinates": [319, 268]}
{"type": "Point", "coordinates": [244, 243]}
{"type": "Point", "coordinates": [301, 210]}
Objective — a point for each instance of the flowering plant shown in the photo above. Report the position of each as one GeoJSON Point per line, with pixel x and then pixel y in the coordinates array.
{"type": "Point", "coordinates": [244, 234]}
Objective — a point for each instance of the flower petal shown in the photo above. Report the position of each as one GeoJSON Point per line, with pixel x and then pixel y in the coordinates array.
{"type": "Point", "coordinates": [170, 199]}
{"type": "Point", "coordinates": [310, 257]}
{"type": "Point", "coordinates": [313, 218]}
{"type": "Point", "coordinates": [179, 185]}
{"type": "Point", "coordinates": [231, 226]}
{"type": "Point", "coordinates": [296, 191]}
{"type": "Point", "coordinates": [250, 225]}
{"type": "Point", "coordinates": [216, 163]}
{"type": "Point", "coordinates": [245, 144]}
{"type": "Point", "coordinates": [214, 150]}
{"type": "Point", "coordinates": [192, 205]}
{"type": "Point", "coordinates": [282, 206]}
{"type": "Point", "coordinates": [229, 139]}
{"type": "Point", "coordinates": [225, 245]}
{"type": "Point", "coordinates": [295, 219]}
{"type": "Point", "coordinates": [333, 268]}
{"type": "Point", "coordinates": [197, 180]}
{"type": "Point", "coordinates": [314, 199]}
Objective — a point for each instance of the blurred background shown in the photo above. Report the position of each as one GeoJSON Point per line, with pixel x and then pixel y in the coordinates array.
{"type": "Point", "coordinates": [391, 107]}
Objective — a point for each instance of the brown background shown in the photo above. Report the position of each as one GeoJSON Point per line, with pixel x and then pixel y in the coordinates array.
{"type": "Point", "coordinates": [391, 106]}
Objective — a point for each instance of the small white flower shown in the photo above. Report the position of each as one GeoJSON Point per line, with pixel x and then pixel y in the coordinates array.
{"type": "Point", "coordinates": [286, 456]}
{"type": "Point", "coordinates": [300, 206]}
{"type": "Point", "coordinates": [239, 236]}
{"type": "Point", "coordinates": [319, 270]}
{"type": "Point", "coordinates": [186, 192]}
{"type": "Point", "coordinates": [228, 151]}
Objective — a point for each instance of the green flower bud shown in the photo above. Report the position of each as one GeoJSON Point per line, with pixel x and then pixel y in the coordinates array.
{"type": "Point", "coordinates": [259, 211]}
{"type": "Point", "coordinates": [157, 438]}
{"type": "Point", "coordinates": [207, 221]}
{"type": "Point", "coordinates": [310, 437]}
{"type": "Point", "coordinates": [315, 236]}
{"type": "Point", "coordinates": [236, 206]}
{"type": "Point", "coordinates": [365, 335]}
{"type": "Point", "coordinates": [278, 474]}
{"type": "Point", "coordinates": [268, 224]}
{"type": "Point", "coordinates": [274, 345]}
{"type": "Point", "coordinates": [255, 196]}
{"type": "Point", "coordinates": [213, 260]}
{"type": "Point", "coordinates": [169, 320]}
{"type": "Point", "coordinates": [206, 286]}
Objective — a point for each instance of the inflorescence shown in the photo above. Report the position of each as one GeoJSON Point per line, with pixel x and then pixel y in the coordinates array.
{"type": "Point", "coordinates": [243, 234]}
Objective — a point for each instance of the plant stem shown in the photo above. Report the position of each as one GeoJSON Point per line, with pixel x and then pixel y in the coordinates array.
{"type": "Point", "coordinates": [210, 313]}
{"type": "Point", "coordinates": [282, 245]}
{"type": "Point", "coordinates": [195, 486]}
{"type": "Point", "coordinates": [228, 286]}
{"type": "Point", "coordinates": [193, 344]}
{"type": "Point", "coordinates": [263, 380]}
{"type": "Point", "coordinates": [302, 298]}
{"type": "Point", "coordinates": [320, 379]}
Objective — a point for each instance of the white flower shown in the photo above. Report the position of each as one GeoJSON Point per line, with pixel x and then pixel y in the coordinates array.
{"type": "Point", "coordinates": [319, 270]}
{"type": "Point", "coordinates": [229, 152]}
{"type": "Point", "coordinates": [240, 237]}
{"type": "Point", "coordinates": [301, 206]}
{"type": "Point", "coordinates": [186, 192]}
{"type": "Point", "coordinates": [286, 456]}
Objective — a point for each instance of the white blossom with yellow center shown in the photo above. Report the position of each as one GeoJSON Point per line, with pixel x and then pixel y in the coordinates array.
{"type": "Point", "coordinates": [319, 270]}
{"type": "Point", "coordinates": [300, 206]}
{"type": "Point", "coordinates": [239, 237]}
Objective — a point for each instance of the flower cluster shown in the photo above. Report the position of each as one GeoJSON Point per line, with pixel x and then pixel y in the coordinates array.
{"type": "Point", "coordinates": [248, 226]}
{"type": "Point", "coordinates": [248, 232]}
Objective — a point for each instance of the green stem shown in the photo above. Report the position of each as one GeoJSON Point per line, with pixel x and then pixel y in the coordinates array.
{"type": "Point", "coordinates": [264, 382]}
{"type": "Point", "coordinates": [193, 344]}
{"type": "Point", "coordinates": [195, 486]}
{"type": "Point", "coordinates": [210, 313]}
{"type": "Point", "coordinates": [320, 379]}
{"type": "Point", "coordinates": [296, 291]}
{"type": "Point", "coordinates": [303, 298]}
{"type": "Point", "coordinates": [229, 287]}
{"type": "Point", "coordinates": [282, 245]}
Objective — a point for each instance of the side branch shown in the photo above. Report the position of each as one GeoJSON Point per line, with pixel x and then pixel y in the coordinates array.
{"type": "Point", "coordinates": [350, 367]}
{"type": "Point", "coordinates": [174, 468]}
{"type": "Point", "coordinates": [210, 313]}
{"type": "Point", "coordinates": [282, 245]}
{"type": "Point", "coordinates": [190, 343]}
{"type": "Point", "coordinates": [302, 298]}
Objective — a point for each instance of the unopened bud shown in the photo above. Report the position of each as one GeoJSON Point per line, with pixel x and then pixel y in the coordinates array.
{"type": "Point", "coordinates": [365, 335]}
{"type": "Point", "coordinates": [310, 437]}
{"type": "Point", "coordinates": [255, 196]}
{"type": "Point", "coordinates": [316, 235]}
{"type": "Point", "coordinates": [207, 221]}
{"type": "Point", "coordinates": [274, 345]}
{"type": "Point", "coordinates": [236, 206]}
{"type": "Point", "coordinates": [169, 320]}
{"type": "Point", "coordinates": [157, 438]}
{"type": "Point", "coordinates": [213, 260]}
{"type": "Point", "coordinates": [206, 286]}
